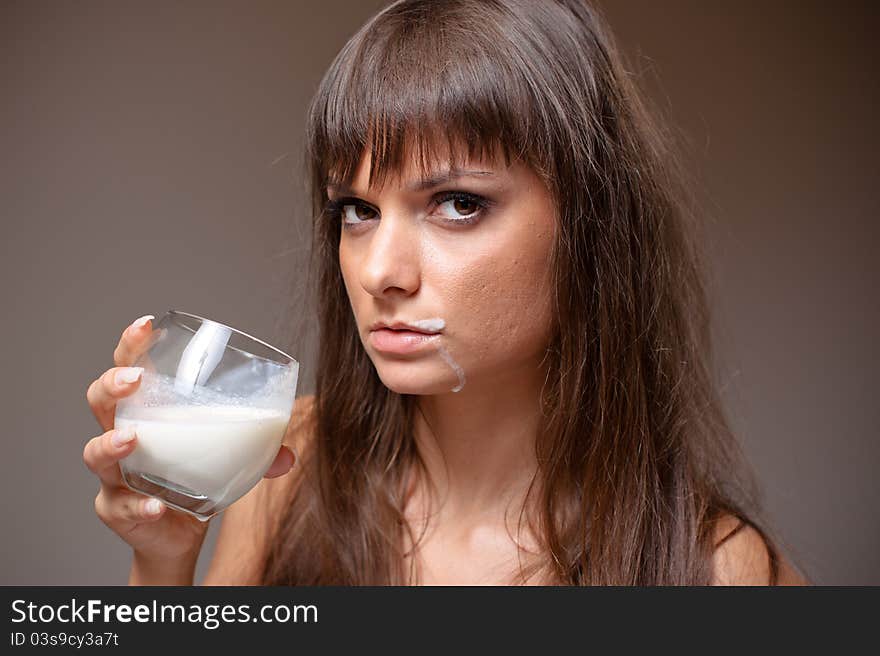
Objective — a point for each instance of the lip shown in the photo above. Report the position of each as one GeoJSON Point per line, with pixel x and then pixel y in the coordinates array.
{"type": "Point", "coordinates": [402, 326]}
{"type": "Point", "coordinates": [401, 342]}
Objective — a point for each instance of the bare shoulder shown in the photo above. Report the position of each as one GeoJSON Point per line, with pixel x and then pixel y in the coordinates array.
{"type": "Point", "coordinates": [247, 525]}
{"type": "Point", "coordinates": [742, 557]}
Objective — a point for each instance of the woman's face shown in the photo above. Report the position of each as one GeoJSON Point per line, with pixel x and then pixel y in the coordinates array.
{"type": "Point", "coordinates": [463, 255]}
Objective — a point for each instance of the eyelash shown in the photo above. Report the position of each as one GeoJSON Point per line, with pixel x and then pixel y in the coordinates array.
{"type": "Point", "coordinates": [333, 208]}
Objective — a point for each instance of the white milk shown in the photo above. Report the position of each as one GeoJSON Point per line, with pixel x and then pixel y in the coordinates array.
{"type": "Point", "coordinates": [219, 452]}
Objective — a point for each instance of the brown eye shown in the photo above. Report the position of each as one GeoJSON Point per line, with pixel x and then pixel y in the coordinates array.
{"type": "Point", "coordinates": [358, 212]}
{"type": "Point", "coordinates": [461, 208]}
{"type": "Point", "coordinates": [364, 213]}
{"type": "Point", "coordinates": [464, 207]}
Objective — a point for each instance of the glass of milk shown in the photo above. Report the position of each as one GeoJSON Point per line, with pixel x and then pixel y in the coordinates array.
{"type": "Point", "coordinates": [210, 414]}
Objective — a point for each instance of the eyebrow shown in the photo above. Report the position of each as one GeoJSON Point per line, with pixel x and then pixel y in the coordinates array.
{"type": "Point", "coordinates": [430, 182]}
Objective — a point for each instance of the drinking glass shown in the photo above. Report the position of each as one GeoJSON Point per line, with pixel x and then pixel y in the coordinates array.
{"type": "Point", "coordinates": [210, 413]}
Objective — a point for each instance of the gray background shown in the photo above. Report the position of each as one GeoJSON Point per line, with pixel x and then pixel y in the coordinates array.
{"type": "Point", "coordinates": [148, 155]}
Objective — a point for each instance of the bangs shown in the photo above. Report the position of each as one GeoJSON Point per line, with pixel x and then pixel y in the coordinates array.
{"type": "Point", "coordinates": [421, 87]}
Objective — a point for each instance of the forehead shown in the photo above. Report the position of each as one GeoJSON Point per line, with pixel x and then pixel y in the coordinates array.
{"type": "Point", "coordinates": [413, 157]}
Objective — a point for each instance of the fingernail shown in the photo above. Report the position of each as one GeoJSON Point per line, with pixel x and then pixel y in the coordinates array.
{"type": "Point", "coordinates": [137, 323]}
{"type": "Point", "coordinates": [122, 436]}
{"type": "Point", "coordinates": [128, 375]}
{"type": "Point", "coordinates": [153, 507]}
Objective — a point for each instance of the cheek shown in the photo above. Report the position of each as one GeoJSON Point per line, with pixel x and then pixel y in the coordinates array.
{"type": "Point", "coordinates": [501, 302]}
{"type": "Point", "coordinates": [347, 270]}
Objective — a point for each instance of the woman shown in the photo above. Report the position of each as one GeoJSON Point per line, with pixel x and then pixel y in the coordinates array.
{"type": "Point", "coordinates": [484, 175]}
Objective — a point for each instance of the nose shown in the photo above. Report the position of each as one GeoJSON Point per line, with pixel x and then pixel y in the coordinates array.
{"type": "Point", "coordinates": [392, 264]}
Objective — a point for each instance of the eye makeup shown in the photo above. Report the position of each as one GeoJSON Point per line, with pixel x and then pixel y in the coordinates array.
{"type": "Point", "coordinates": [346, 209]}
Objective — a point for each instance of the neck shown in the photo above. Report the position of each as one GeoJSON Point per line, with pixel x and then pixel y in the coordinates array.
{"type": "Point", "coordinates": [478, 444]}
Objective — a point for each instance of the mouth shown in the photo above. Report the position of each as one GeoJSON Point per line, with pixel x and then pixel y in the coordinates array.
{"type": "Point", "coordinates": [401, 338]}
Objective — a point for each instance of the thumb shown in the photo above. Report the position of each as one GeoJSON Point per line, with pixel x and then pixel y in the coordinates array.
{"type": "Point", "coordinates": [282, 464]}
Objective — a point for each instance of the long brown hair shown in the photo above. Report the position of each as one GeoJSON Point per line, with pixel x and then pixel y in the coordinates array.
{"type": "Point", "coordinates": [636, 460]}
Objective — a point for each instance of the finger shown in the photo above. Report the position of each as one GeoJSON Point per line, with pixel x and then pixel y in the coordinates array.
{"type": "Point", "coordinates": [102, 454]}
{"type": "Point", "coordinates": [106, 390]}
{"type": "Point", "coordinates": [133, 342]}
{"type": "Point", "coordinates": [282, 464]}
{"type": "Point", "coordinates": [121, 509]}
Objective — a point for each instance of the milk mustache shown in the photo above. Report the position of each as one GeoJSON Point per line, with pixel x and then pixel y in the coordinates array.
{"type": "Point", "coordinates": [211, 454]}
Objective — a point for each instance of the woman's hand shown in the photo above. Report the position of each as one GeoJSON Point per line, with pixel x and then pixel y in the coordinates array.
{"type": "Point", "coordinates": [155, 532]}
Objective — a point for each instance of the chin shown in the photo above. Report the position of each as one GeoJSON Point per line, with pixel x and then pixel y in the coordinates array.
{"type": "Point", "coordinates": [408, 377]}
